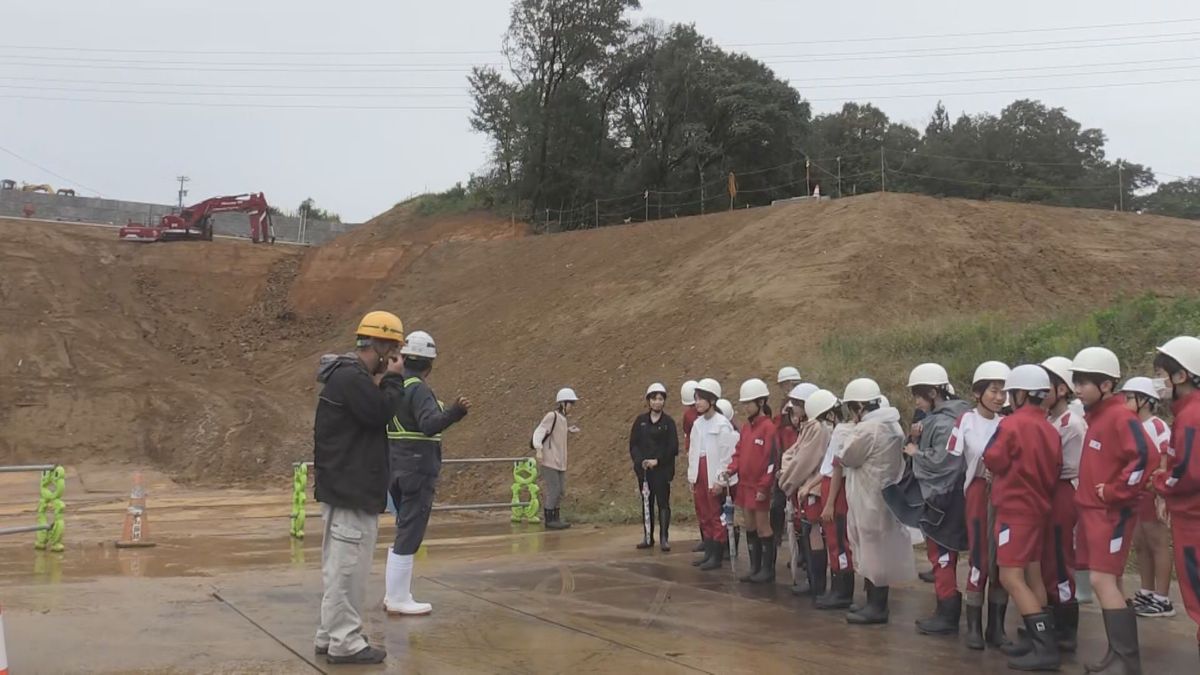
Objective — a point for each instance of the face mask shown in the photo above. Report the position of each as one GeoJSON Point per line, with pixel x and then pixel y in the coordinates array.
{"type": "Point", "coordinates": [1162, 388]}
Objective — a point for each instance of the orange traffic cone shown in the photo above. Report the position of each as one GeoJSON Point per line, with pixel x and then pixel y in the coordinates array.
{"type": "Point", "coordinates": [135, 534]}
{"type": "Point", "coordinates": [3, 653]}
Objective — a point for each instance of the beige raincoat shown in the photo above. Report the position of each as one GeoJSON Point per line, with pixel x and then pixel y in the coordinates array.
{"type": "Point", "coordinates": [872, 458]}
{"type": "Point", "coordinates": [802, 461]}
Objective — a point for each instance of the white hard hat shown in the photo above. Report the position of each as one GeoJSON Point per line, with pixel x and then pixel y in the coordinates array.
{"type": "Point", "coordinates": [1097, 360]}
{"type": "Point", "coordinates": [884, 402]}
{"type": "Point", "coordinates": [566, 395]}
{"type": "Point", "coordinates": [687, 393]}
{"type": "Point", "coordinates": [656, 388]}
{"type": "Point", "coordinates": [1027, 378]}
{"type": "Point", "coordinates": [1186, 351]}
{"type": "Point", "coordinates": [990, 370]}
{"type": "Point", "coordinates": [788, 374]}
{"type": "Point", "coordinates": [710, 386]}
{"type": "Point", "coordinates": [1060, 367]}
{"type": "Point", "coordinates": [753, 389]}
{"type": "Point", "coordinates": [862, 390]}
{"type": "Point", "coordinates": [930, 374]}
{"type": "Point", "coordinates": [1140, 385]}
{"type": "Point", "coordinates": [725, 408]}
{"type": "Point", "coordinates": [802, 391]}
{"type": "Point", "coordinates": [819, 402]}
{"type": "Point", "coordinates": [419, 344]}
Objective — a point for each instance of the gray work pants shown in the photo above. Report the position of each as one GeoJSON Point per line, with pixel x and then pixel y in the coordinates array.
{"type": "Point", "coordinates": [555, 482]}
{"type": "Point", "coordinates": [347, 547]}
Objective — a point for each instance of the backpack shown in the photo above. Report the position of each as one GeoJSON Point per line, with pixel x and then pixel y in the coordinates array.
{"type": "Point", "coordinates": [548, 433]}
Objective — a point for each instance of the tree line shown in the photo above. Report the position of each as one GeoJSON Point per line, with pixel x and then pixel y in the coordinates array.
{"type": "Point", "coordinates": [600, 120]}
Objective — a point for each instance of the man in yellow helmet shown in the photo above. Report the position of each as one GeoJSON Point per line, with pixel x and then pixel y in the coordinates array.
{"type": "Point", "coordinates": [360, 392]}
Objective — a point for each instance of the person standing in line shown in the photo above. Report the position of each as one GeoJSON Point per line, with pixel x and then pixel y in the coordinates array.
{"type": "Point", "coordinates": [872, 459]}
{"type": "Point", "coordinates": [971, 435]}
{"type": "Point", "coordinates": [653, 446]}
{"type": "Point", "coordinates": [687, 396]}
{"type": "Point", "coordinates": [835, 510]}
{"type": "Point", "coordinates": [940, 474]}
{"type": "Point", "coordinates": [1177, 478]}
{"type": "Point", "coordinates": [753, 465]}
{"type": "Point", "coordinates": [1152, 538]}
{"type": "Point", "coordinates": [415, 451]}
{"type": "Point", "coordinates": [785, 435]}
{"type": "Point", "coordinates": [1117, 459]}
{"type": "Point", "coordinates": [1025, 458]}
{"type": "Point", "coordinates": [550, 444]}
{"type": "Point", "coordinates": [1059, 559]}
{"type": "Point", "coordinates": [359, 393]}
{"type": "Point", "coordinates": [800, 479]}
{"type": "Point", "coordinates": [712, 444]}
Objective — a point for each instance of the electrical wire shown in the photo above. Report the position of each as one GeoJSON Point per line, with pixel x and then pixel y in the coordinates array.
{"type": "Point", "coordinates": [52, 173]}
{"type": "Point", "coordinates": [1080, 188]}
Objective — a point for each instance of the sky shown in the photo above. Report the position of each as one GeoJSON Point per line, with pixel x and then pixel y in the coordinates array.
{"type": "Point", "coordinates": [362, 104]}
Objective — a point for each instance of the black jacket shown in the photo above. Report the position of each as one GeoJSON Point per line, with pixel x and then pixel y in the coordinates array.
{"type": "Point", "coordinates": [415, 431]}
{"type": "Point", "coordinates": [650, 440]}
{"type": "Point", "coordinates": [350, 451]}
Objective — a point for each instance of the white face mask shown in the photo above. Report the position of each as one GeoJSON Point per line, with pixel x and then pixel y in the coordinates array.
{"type": "Point", "coordinates": [1163, 389]}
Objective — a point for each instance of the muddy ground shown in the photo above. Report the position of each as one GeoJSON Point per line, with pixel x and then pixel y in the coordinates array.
{"type": "Point", "coordinates": [227, 591]}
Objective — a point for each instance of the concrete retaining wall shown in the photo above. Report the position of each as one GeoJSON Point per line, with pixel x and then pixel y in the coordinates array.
{"type": "Point", "coordinates": [116, 212]}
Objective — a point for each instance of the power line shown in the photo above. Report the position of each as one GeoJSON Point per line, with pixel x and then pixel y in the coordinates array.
{"type": "Point", "coordinates": [469, 52]}
{"type": "Point", "coordinates": [234, 85]}
{"type": "Point", "coordinates": [1006, 91]}
{"type": "Point", "coordinates": [210, 104]}
{"type": "Point", "coordinates": [1001, 78]}
{"type": "Point", "coordinates": [91, 59]}
{"type": "Point", "coordinates": [990, 70]}
{"type": "Point", "coordinates": [270, 94]}
{"type": "Point", "coordinates": [52, 173]}
{"type": "Point", "coordinates": [1002, 185]}
{"type": "Point", "coordinates": [986, 161]}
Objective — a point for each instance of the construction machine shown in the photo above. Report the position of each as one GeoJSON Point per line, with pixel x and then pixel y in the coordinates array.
{"type": "Point", "coordinates": [37, 187]}
{"type": "Point", "coordinates": [195, 222]}
{"type": "Point", "coordinates": [65, 192]}
{"type": "Point", "coordinates": [8, 184]}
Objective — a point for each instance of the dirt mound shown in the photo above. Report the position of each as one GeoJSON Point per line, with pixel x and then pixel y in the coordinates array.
{"type": "Point", "coordinates": [736, 295]}
{"type": "Point", "coordinates": [200, 356]}
{"type": "Point", "coordinates": [381, 248]}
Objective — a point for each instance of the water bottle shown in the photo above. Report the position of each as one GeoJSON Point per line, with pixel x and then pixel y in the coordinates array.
{"type": "Point", "coordinates": [727, 512]}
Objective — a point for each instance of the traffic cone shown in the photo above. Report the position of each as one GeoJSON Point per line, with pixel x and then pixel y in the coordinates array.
{"type": "Point", "coordinates": [3, 653]}
{"type": "Point", "coordinates": [135, 533]}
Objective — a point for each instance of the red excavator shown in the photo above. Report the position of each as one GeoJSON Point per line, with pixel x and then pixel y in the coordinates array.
{"type": "Point", "coordinates": [195, 222]}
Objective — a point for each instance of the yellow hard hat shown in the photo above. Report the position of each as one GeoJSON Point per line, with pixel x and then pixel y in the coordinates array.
{"type": "Point", "coordinates": [382, 325]}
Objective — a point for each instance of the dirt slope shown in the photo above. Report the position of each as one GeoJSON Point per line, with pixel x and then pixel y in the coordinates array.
{"type": "Point", "coordinates": [200, 356]}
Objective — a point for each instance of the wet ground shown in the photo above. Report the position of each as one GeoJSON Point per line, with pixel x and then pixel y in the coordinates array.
{"type": "Point", "coordinates": [227, 591]}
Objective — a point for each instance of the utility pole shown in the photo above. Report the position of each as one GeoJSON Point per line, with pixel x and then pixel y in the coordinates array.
{"type": "Point", "coordinates": [807, 179]}
{"type": "Point", "coordinates": [1120, 187]}
{"type": "Point", "coordinates": [839, 161]}
{"type": "Point", "coordinates": [882, 170]}
{"type": "Point", "coordinates": [182, 192]}
{"type": "Point", "coordinates": [646, 199]}
{"type": "Point", "coordinates": [597, 213]}
{"type": "Point", "coordinates": [701, 169]}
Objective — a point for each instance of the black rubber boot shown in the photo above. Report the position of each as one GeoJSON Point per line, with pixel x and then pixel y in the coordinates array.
{"type": "Point", "coordinates": [1066, 626]}
{"type": "Point", "coordinates": [945, 618]}
{"type": "Point", "coordinates": [841, 592]}
{"type": "Point", "coordinates": [754, 550]}
{"type": "Point", "coordinates": [876, 609]}
{"type": "Point", "coordinates": [975, 627]}
{"type": "Point", "coordinates": [699, 547]}
{"type": "Point", "coordinates": [664, 526]}
{"type": "Point", "coordinates": [927, 577]}
{"type": "Point", "coordinates": [1044, 654]}
{"type": "Point", "coordinates": [645, 543]}
{"type": "Point", "coordinates": [818, 574]}
{"type": "Point", "coordinates": [718, 554]}
{"type": "Point", "coordinates": [766, 566]}
{"type": "Point", "coordinates": [562, 524]}
{"type": "Point", "coordinates": [995, 636]}
{"type": "Point", "coordinates": [706, 550]}
{"type": "Point", "coordinates": [1124, 654]}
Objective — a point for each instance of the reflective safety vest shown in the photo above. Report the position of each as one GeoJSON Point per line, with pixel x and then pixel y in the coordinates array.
{"type": "Point", "coordinates": [397, 432]}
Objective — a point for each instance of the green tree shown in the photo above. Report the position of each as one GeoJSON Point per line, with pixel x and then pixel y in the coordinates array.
{"type": "Point", "coordinates": [1179, 198]}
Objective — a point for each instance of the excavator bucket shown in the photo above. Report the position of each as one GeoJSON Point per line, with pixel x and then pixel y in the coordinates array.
{"type": "Point", "coordinates": [135, 232]}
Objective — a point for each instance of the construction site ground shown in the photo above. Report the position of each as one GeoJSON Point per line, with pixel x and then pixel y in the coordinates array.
{"type": "Point", "coordinates": [226, 590]}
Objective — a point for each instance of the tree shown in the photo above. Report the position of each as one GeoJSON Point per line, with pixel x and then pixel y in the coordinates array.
{"type": "Point", "coordinates": [309, 208]}
{"type": "Point", "coordinates": [1179, 198]}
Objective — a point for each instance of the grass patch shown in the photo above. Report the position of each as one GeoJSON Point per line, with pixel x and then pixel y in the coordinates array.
{"type": "Point", "coordinates": [1132, 328]}
{"type": "Point", "coordinates": [458, 199]}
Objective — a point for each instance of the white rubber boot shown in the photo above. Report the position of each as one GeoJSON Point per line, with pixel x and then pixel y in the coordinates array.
{"type": "Point", "coordinates": [398, 599]}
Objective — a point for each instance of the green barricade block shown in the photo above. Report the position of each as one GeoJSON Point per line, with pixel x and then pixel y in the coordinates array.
{"type": "Point", "coordinates": [525, 480]}
{"type": "Point", "coordinates": [299, 499]}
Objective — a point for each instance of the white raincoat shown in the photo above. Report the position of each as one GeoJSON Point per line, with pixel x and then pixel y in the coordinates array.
{"type": "Point", "coordinates": [872, 458]}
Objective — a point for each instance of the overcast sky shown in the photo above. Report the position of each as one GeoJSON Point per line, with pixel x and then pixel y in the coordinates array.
{"type": "Point", "coordinates": [220, 130]}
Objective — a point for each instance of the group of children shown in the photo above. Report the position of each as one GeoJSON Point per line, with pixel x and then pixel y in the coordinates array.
{"type": "Point", "coordinates": [1056, 469]}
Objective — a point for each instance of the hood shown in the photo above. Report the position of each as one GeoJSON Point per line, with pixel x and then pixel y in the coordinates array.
{"type": "Point", "coordinates": [883, 416]}
{"type": "Point", "coordinates": [952, 409]}
{"type": "Point", "coordinates": [331, 362]}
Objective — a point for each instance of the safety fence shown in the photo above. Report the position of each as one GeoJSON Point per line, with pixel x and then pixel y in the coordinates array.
{"type": "Point", "coordinates": [524, 503]}
{"type": "Point", "coordinates": [51, 523]}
